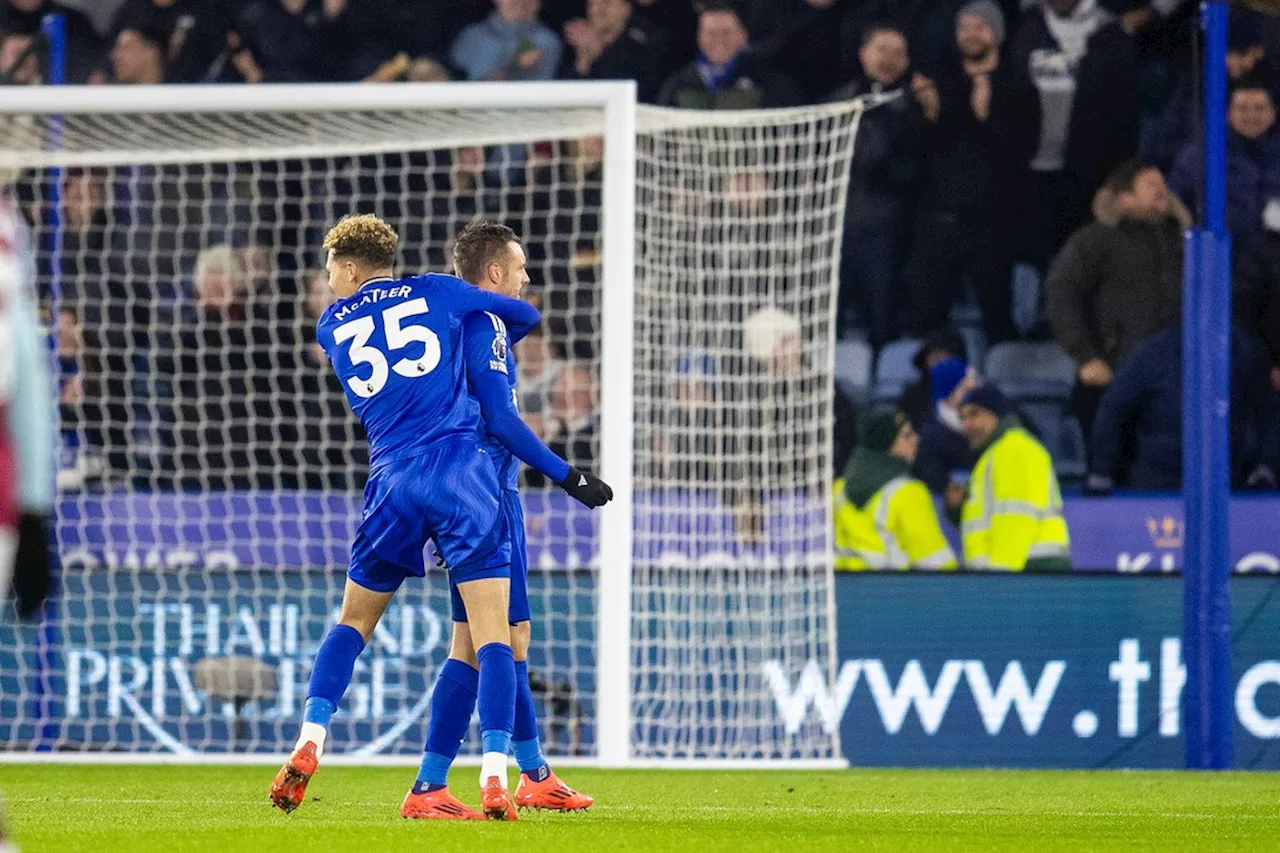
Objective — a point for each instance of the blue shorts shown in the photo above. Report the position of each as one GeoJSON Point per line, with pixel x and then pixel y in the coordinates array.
{"type": "Point", "coordinates": [518, 608]}
{"type": "Point", "coordinates": [450, 494]}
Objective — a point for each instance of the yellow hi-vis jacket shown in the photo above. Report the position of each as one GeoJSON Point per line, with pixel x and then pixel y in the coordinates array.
{"type": "Point", "coordinates": [1012, 519]}
{"type": "Point", "coordinates": [897, 529]}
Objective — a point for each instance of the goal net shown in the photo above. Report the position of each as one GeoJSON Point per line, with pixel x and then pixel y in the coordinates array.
{"type": "Point", "coordinates": [211, 473]}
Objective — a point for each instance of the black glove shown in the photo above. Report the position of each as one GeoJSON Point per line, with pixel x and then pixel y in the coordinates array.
{"type": "Point", "coordinates": [33, 566]}
{"type": "Point", "coordinates": [586, 488]}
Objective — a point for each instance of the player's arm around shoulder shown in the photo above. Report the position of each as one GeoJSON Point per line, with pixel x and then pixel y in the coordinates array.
{"type": "Point", "coordinates": [486, 343]}
{"type": "Point", "coordinates": [520, 317]}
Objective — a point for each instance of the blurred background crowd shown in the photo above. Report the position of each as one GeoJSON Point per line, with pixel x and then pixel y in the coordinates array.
{"type": "Point", "coordinates": [1014, 217]}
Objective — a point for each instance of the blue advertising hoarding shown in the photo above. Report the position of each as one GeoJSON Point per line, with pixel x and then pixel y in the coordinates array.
{"type": "Point", "coordinates": [932, 669]}
{"type": "Point", "coordinates": [1030, 671]}
{"type": "Point", "coordinates": [125, 663]}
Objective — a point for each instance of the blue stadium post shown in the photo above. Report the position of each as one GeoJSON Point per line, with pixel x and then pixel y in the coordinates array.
{"type": "Point", "coordinates": [1208, 712]}
{"type": "Point", "coordinates": [55, 33]}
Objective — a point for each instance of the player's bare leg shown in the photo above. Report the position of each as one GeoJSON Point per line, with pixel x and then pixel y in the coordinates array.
{"type": "Point", "coordinates": [330, 675]}
{"type": "Point", "coordinates": [539, 787]}
{"type": "Point", "coordinates": [486, 601]}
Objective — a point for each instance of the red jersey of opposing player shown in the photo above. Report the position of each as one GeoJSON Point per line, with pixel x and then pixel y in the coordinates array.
{"type": "Point", "coordinates": [11, 279]}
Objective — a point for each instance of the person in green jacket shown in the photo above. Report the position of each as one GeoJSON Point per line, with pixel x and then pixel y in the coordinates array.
{"type": "Point", "coordinates": [885, 518]}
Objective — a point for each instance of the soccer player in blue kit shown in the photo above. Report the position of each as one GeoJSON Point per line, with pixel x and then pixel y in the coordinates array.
{"type": "Point", "coordinates": [489, 255]}
{"type": "Point", "coordinates": [395, 344]}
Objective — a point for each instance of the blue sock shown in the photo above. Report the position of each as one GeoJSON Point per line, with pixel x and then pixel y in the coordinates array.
{"type": "Point", "coordinates": [318, 710]}
{"type": "Point", "coordinates": [452, 703]}
{"type": "Point", "coordinates": [331, 672]}
{"type": "Point", "coordinates": [524, 743]}
{"type": "Point", "coordinates": [497, 696]}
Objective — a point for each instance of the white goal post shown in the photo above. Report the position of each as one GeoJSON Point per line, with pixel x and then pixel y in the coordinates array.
{"type": "Point", "coordinates": [206, 497]}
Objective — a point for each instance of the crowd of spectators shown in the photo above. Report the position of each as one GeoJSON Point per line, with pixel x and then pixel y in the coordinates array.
{"type": "Point", "coordinates": [1027, 179]}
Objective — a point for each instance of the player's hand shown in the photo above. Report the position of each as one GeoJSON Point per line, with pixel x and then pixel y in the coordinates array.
{"type": "Point", "coordinates": [1095, 373]}
{"type": "Point", "coordinates": [586, 488]}
{"type": "Point", "coordinates": [33, 567]}
{"type": "Point", "coordinates": [927, 96]}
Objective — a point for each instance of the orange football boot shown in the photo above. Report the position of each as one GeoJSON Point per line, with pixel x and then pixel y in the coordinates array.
{"type": "Point", "coordinates": [550, 794]}
{"type": "Point", "coordinates": [290, 785]}
{"type": "Point", "coordinates": [495, 801]}
{"type": "Point", "coordinates": [437, 805]}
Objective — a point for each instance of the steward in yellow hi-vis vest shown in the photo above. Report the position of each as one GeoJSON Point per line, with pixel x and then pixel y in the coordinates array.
{"type": "Point", "coordinates": [885, 519]}
{"type": "Point", "coordinates": [1012, 519]}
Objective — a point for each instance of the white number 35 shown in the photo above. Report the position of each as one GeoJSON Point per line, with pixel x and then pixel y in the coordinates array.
{"type": "Point", "coordinates": [398, 337]}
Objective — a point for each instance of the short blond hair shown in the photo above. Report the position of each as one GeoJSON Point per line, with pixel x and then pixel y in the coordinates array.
{"type": "Point", "coordinates": [365, 239]}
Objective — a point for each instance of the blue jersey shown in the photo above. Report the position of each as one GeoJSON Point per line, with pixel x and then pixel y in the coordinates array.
{"type": "Point", "coordinates": [395, 346]}
{"type": "Point", "coordinates": [491, 377]}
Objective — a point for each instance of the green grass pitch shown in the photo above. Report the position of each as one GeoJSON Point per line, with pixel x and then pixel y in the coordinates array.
{"type": "Point", "coordinates": [105, 809]}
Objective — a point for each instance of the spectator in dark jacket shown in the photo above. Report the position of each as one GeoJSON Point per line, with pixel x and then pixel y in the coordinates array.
{"type": "Point", "coordinates": [1253, 161]}
{"type": "Point", "coordinates": [963, 224]}
{"type": "Point", "coordinates": [801, 39]}
{"type": "Point", "coordinates": [881, 180]}
{"type": "Point", "coordinates": [1118, 280]}
{"type": "Point", "coordinates": [1165, 135]}
{"type": "Point", "coordinates": [427, 28]}
{"type": "Point", "coordinates": [726, 75]}
{"type": "Point", "coordinates": [614, 43]}
{"type": "Point", "coordinates": [945, 457]}
{"type": "Point", "coordinates": [917, 401]}
{"type": "Point", "coordinates": [84, 46]}
{"type": "Point", "coordinates": [1139, 423]}
{"type": "Point", "coordinates": [194, 32]}
{"type": "Point", "coordinates": [294, 41]}
{"type": "Point", "coordinates": [1083, 66]}
{"type": "Point", "coordinates": [1256, 302]}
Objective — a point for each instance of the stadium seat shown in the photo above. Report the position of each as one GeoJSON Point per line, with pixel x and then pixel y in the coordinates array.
{"type": "Point", "coordinates": [895, 370]}
{"type": "Point", "coordinates": [1027, 371]}
{"type": "Point", "coordinates": [975, 343]}
{"type": "Point", "coordinates": [854, 361]}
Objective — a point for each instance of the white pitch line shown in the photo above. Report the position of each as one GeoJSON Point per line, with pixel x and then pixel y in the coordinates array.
{"type": "Point", "coordinates": [666, 811]}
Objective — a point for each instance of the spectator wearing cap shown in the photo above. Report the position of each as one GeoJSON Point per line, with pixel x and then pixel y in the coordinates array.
{"type": "Point", "coordinates": [946, 458]}
{"type": "Point", "coordinates": [1075, 61]}
{"type": "Point", "coordinates": [1012, 519]}
{"type": "Point", "coordinates": [963, 223]}
{"type": "Point", "coordinates": [917, 401]}
{"type": "Point", "coordinates": [510, 44]}
{"type": "Point", "coordinates": [1118, 280]}
{"type": "Point", "coordinates": [726, 75]}
{"type": "Point", "coordinates": [138, 57]}
{"type": "Point", "coordinates": [882, 178]}
{"type": "Point", "coordinates": [614, 43]}
{"type": "Point", "coordinates": [884, 518]}
{"type": "Point", "coordinates": [1253, 161]}
{"type": "Point", "coordinates": [84, 45]}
